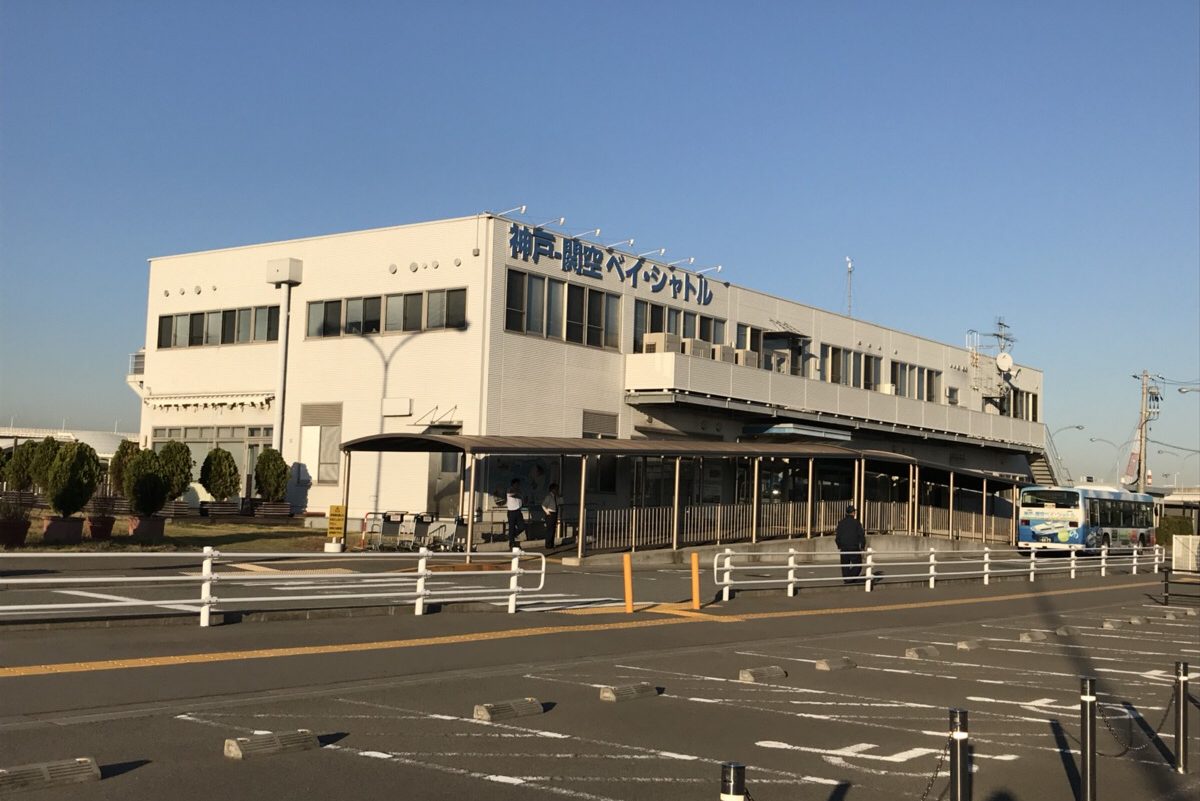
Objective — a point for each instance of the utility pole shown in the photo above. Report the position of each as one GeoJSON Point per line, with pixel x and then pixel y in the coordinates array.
{"type": "Point", "coordinates": [1142, 421]}
{"type": "Point", "coordinates": [849, 287]}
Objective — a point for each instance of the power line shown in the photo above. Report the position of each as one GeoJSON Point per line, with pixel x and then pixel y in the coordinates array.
{"type": "Point", "coordinates": [1176, 447]}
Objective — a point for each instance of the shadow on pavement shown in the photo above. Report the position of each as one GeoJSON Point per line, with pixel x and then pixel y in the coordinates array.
{"type": "Point", "coordinates": [331, 738]}
{"type": "Point", "coordinates": [1068, 759]}
{"type": "Point", "coordinates": [118, 768]}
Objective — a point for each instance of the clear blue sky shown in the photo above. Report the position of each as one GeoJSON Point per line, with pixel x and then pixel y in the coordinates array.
{"type": "Point", "coordinates": [1039, 161]}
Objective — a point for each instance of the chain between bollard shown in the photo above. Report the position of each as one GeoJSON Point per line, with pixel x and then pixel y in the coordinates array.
{"type": "Point", "coordinates": [937, 769]}
{"type": "Point", "coordinates": [1127, 745]}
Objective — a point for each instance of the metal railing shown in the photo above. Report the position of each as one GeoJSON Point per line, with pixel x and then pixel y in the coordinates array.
{"type": "Point", "coordinates": [931, 566]}
{"type": "Point", "coordinates": [415, 587]}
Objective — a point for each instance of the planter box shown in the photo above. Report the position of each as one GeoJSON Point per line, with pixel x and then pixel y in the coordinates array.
{"type": "Point", "coordinates": [107, 506]}
{"type": "Point", "coordinates": [281, 509]}
{"type": "Point", "coordinates": [223, 508]}
{"type": "Point", "coordinates": [63, 531]}
{"type": "Point", "coordinates": [147, 529]}
{"type": "Point", "coordinates": [100, 527]}
{"type": "Point", "coordinates": [13, 533]}
{"type": "Point", "coordinates": [177, 509]}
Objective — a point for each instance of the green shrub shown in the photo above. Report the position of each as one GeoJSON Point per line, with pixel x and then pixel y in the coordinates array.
{"type": "Point", "coordinates": [1171, 525]}
{"type": "Point", "coordinates": [5, 455]}
{"type": "Point", "coordinates": [18, 473]}
{"type": "Point", "coordinates": [43, 457]}
{"type": "Point", "coordinates": [116, 468]}
{"type": "Point", "coordinates": [145, 484]}
{"type": "Point", "coordinates": [72, 478]}
{"type": "Point", "coordinates": [219, 474]}
{"type": "Point", "coordinates": [177, 465]}
{"type": "Point", "coordinates": [271, 476]}
{"type": "Point", "coordinates": [13, 512]}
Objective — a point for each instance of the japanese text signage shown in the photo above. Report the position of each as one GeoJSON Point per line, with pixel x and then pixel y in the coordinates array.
{"type": "Point", "coordinates": [588, 261]}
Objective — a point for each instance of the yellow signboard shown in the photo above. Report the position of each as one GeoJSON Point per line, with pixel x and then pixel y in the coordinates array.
{"type": "Point", "coordinates": [337, 522]}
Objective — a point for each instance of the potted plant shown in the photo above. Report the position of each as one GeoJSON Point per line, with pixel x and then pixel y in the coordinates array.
{"type": "Point", "coordinates": [177, 465]}
{"type": "Point", "coordinates": [146, 488]}
{"type": "Point", "coordinates": [219, 475]}
{"type": "Point", "coordinates": [70, 482]}
{"type": "Point", "coordinates": [14, 524]}
{"type": "Point", "coordinates": [271, 480]}
{"type": "Point", "coordinates": [18, 475]}
{"type": "Point", "coordinates": [116, 474]}
{"type": "Point", "coordinates": [43, 456]}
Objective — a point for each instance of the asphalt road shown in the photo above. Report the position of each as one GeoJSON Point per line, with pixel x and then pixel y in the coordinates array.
{"type": "Point", "coordinates": [392, 698]}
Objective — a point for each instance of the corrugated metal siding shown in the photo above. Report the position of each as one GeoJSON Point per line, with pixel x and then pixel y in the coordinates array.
{"type": "Point", "coordinates": [320, 414]}
{"type": "Point", "coordinates": [600, 423]}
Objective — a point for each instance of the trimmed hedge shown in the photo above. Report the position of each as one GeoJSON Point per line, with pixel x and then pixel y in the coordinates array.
{"type": "Point", "coordinates": [43, 458]}
{"type": "Point", "coordinates": [177, 466]}
{"type": "Point", "coordinates": [18, 473]}
{"type": "Point", "coordinates": [116, 467]}
{"type": "Point", "coordinates": [220, 475]}
{"type": "Point", "coordinates": [72, 478]}
{"type": "Point", "coordinates": [145, 485]}
{"type": "Point", "coordinates": [271, 476]}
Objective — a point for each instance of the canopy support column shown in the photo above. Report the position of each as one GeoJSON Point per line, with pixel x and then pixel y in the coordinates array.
{"type": "Point", "coordinates": [675, 509]}
{"type": "Point", "coordinates": [808, 517]}
{"type": "Point", "coordinates": [985, 511]}
{"type": "Point", "coordinates": [581, 530]}
{"type": "Point", "coordinates": [951, 504]}
{"type": "Point", "coordinates": [474, 462]}
{"type": "Point", "coordinates": [754, 502]}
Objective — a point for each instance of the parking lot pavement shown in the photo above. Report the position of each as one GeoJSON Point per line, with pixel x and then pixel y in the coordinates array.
{"type": "Point", "coordinates": [399, 722]}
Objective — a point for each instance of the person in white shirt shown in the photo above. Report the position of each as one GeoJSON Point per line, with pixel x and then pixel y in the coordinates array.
{"type": "Point", "coordinates": [516, 520]}
{"type": "Point", "coordinates": [550, 509]}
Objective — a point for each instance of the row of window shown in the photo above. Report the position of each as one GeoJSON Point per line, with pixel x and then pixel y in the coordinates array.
{"type": "Point", "coordinates": [556, 309]}
{"type": "Point", "coordinates": [224, 327]}
{"type": "Point", "coordinates": [218, 432]}
{"type": "Point", "coordinates": [1119, 514]}
{"type": "Point", "coordinates": [850, 367]}
{"type": "Point", "coordinates": [919, 383]}
{"type": "Point", "coordinates": [655, 318]}
{"type": "Point", "coordinates": [412, 311]}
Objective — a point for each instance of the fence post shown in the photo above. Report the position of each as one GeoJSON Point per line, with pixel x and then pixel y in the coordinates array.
{"type": "Point", "coordinates": [1158, 557]}
{"type": "Point", "coordinates": [960, 766]}
{"type": "Point", "coordinates": [870, 568]}
{"type": "Point", "coordinates": [695, 580]}
{"type": "Point", "coordinates": [206, 571]}
{"type": "Point", "coordinates": [1181, 717]}
{"type": "Point", "coordinates": [987, 565]}
{"type": "Point", "coordinates": [1103, 560]}
{"type": "Point", "coordinates": [422, 563]}
{"type": "Point", "coordinates": [1032, 563]}
{"type": "Point", "coordinates": [728, 577]}
{"type": "Point", "coordinates": [791, 572]}
{"type": "Point", "coordinates": [1072, 563]}
{"type": "Point", "coordinates": [1087, 739]}
{"type": "Point", "coordinates": [733, 781]}
{"type": "Point", "coordinates": [1136, 550]}
{"type": "Point", "coordinates": [514, 583]}
{"type": "Point", "coordinates": [932, 568]}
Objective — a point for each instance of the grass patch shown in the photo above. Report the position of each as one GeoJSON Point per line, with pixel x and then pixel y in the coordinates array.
{"type": "Point", "coordinates": [193, 533]}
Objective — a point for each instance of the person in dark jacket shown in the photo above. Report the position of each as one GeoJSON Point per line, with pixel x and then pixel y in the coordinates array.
{"type": "Point", "coordinates": [851, 541]}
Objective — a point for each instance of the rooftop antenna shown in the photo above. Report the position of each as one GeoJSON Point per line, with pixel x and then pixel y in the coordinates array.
{"type": "Point", "coordinates": [849, 287]}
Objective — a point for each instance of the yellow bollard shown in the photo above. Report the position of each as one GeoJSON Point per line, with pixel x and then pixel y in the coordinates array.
{"type": "Point", "coordinates": [628, 563]}
{"type": "Point", "coordinates": [695, 580]}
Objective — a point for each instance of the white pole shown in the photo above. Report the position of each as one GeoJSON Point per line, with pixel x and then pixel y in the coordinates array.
{"type": "Point", "coordinates": [987, 565]}
{"type": "Point", "coordinates": [932, 568]}
{"type": "Point", "coordinates": [206, 571]}
{"type": "Point", "coordinates": [514, 581]}
{"type": "Point", "coordinates": [281, 391]}
{"type": "Point", "coordinates": [728, 578]}
{"type": "Point", "coordinates": [419, 604]}
{"type": "Point", "coordinates": [791, 572]}
{"type": "Point", "coordinates": [870, 569]}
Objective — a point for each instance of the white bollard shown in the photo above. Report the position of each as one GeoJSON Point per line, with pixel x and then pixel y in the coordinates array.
{"type": "Point", "coordinates": [1103, 560]}
{"type": "Point", "coordinates": [870, 568]}
{"type": "Point", "coordinates": [419, 604]}
{"type": "Point", "coordinates": [1032, 563]}
{"type": "Point", "coordinates": [791, 572]}
{"type": "Point", "coordinates": [727, 580]}
{"type": "Point", "coordinates": [1136, 550]}
{"type": "Point", "coordinates": [987, 565]}
{"type": "Point", "coordinates": [206, 571]}
{"type": "Point", "coordinates": [932, 568]}
{"type": "Point", "coordinates": [514, 584]}
{"type": "Point", "coordinates": [1072, 563]}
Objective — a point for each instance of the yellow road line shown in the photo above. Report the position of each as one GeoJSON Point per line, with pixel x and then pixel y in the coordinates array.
{"type": "Point", "coordinates": [675, 618]}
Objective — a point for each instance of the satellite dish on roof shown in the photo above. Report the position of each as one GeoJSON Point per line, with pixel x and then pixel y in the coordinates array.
{"type": "Point", "coordinates": [1004, 362]}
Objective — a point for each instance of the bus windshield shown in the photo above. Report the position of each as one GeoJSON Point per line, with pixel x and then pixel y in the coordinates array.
{"type": "Point", "coordinates": [1053, 499]}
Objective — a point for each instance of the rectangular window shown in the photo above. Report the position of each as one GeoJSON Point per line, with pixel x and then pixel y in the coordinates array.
{"type": "Point", "coordinates": [331, 325]}
{"type": "Point", "coordinates": [196, 330]}
{"type": "Point", "coordinates": [856, 362]}
{"type": "Point", "coordinates": [554, 309]}
{"type": "Point", "coordinates": [354, 312]}
{"type": "Point", "coordinates": [933, 392]}
{"type": "Point", "coordinates": [435, 313]}
{"type": "Point", "coordinates": [574, 313]}
{"type": "Point", "coordinates": [212, 329]}
{"type": "Point", "coordinates": [612, 321]}
{"type": "Point", "coordinates": [260, 323]}
{"type": "Point", "coordinates": [641, 310]}
{"type": "Point", "coordinates": [316, 318]}
{"type": "Point", "coordinates": [243, 325]}
{"type": "Point", "coordinates": [673, 321]}
{"type": "Point", "coordinates": [456, 308]}
{"type": "Point", "coordinates": [273, 324]}
{"type": "Point", "coordinates": [706, 328]}
{"type": "Point", "coordinates": [743, 334]}
{"type": "Point", "coordinates": [689, 325]}
{"type": "Point", "coordinates": [395, 312]}
{"type": "Point", "coordinates": [657, 323]}
{"type": "Point", "coordinates": [514, 311]}
{"type": "Point", "coordinates": [535, 299]}
{"type": "Point", "coordinates": [372, 308]}
{"type": "Point", "coordinates": [718, 332]}
{"type": "Point", "coordinates": [413, 306]}
{"type": "Point", "coordinates": [165, 326]}
{"type": "Point", "coordinates": [228, 326]}
{"type": "Point", "coordinates": [595, 318]}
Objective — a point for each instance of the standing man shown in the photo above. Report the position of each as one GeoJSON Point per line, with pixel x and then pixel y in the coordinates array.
{"type": "Point", "coordinates": [516, 520]}
{"type": "Point", "coordinates": [550, 510]}
{"type": "Point", "coordinates": [851, 541]}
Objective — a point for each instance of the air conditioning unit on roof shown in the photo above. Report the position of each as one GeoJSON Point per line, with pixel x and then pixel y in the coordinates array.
{"type": "Point", "coordinates": [725, 353]}
{"type": "Point", "coordinates": [746, 358]}
{"type": "Point", "coordinates": [887, 389]}
{"type": "Point", "coordinates": [698, 348]}
{"type": "Point", "coordinates": [660, 343]}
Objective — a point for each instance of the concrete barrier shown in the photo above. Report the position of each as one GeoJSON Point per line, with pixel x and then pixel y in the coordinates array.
{"type": "Point", "coordinates": [506, 710]}
{"type": "Point", "coordinates": [258, 745]}
{"type": "Point", "coordinates": [49, 774]}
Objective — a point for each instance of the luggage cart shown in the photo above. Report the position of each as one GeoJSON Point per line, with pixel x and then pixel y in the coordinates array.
{"type": "Point", "coordinates": [371, 537]}
{"type": "Point", "coordinates": [447, 535]}
{"type": "Point", "coordinates": [397, 535]}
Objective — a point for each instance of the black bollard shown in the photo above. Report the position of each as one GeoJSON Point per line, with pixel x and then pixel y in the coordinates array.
{"type": "Point", "coordinates": [960, 761]}
{"type": "Point", "coordinates": [733, 781]}
{"type": "Point", "coordinates": [1181, 717]}
{"type": "Point", "coordinates": [1087, 739]}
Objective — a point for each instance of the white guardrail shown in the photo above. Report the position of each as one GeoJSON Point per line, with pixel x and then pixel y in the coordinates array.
{"type": "Point", "coordinates": [729, 563]}
{"type": "Point", "coordinates": [416, 585]}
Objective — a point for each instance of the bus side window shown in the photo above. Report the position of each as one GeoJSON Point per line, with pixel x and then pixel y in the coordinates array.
{"type": "Point", "coordinates": [1093, 514]}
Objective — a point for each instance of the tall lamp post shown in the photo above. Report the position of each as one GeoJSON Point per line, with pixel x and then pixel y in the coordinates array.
{"type": "Point", "coordinates": [1114, 446]}
{"type": "Point", "coordinates": [285, 273]}
{"type": "Point", "coordinates": [1059, 431]}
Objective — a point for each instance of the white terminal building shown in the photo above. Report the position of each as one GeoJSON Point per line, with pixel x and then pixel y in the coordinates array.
{"type": "Point", "coordinates": [487, 326]}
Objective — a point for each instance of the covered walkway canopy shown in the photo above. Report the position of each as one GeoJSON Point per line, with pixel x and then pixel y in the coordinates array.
{"type": "Point", "coordinates": [473, 446]}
